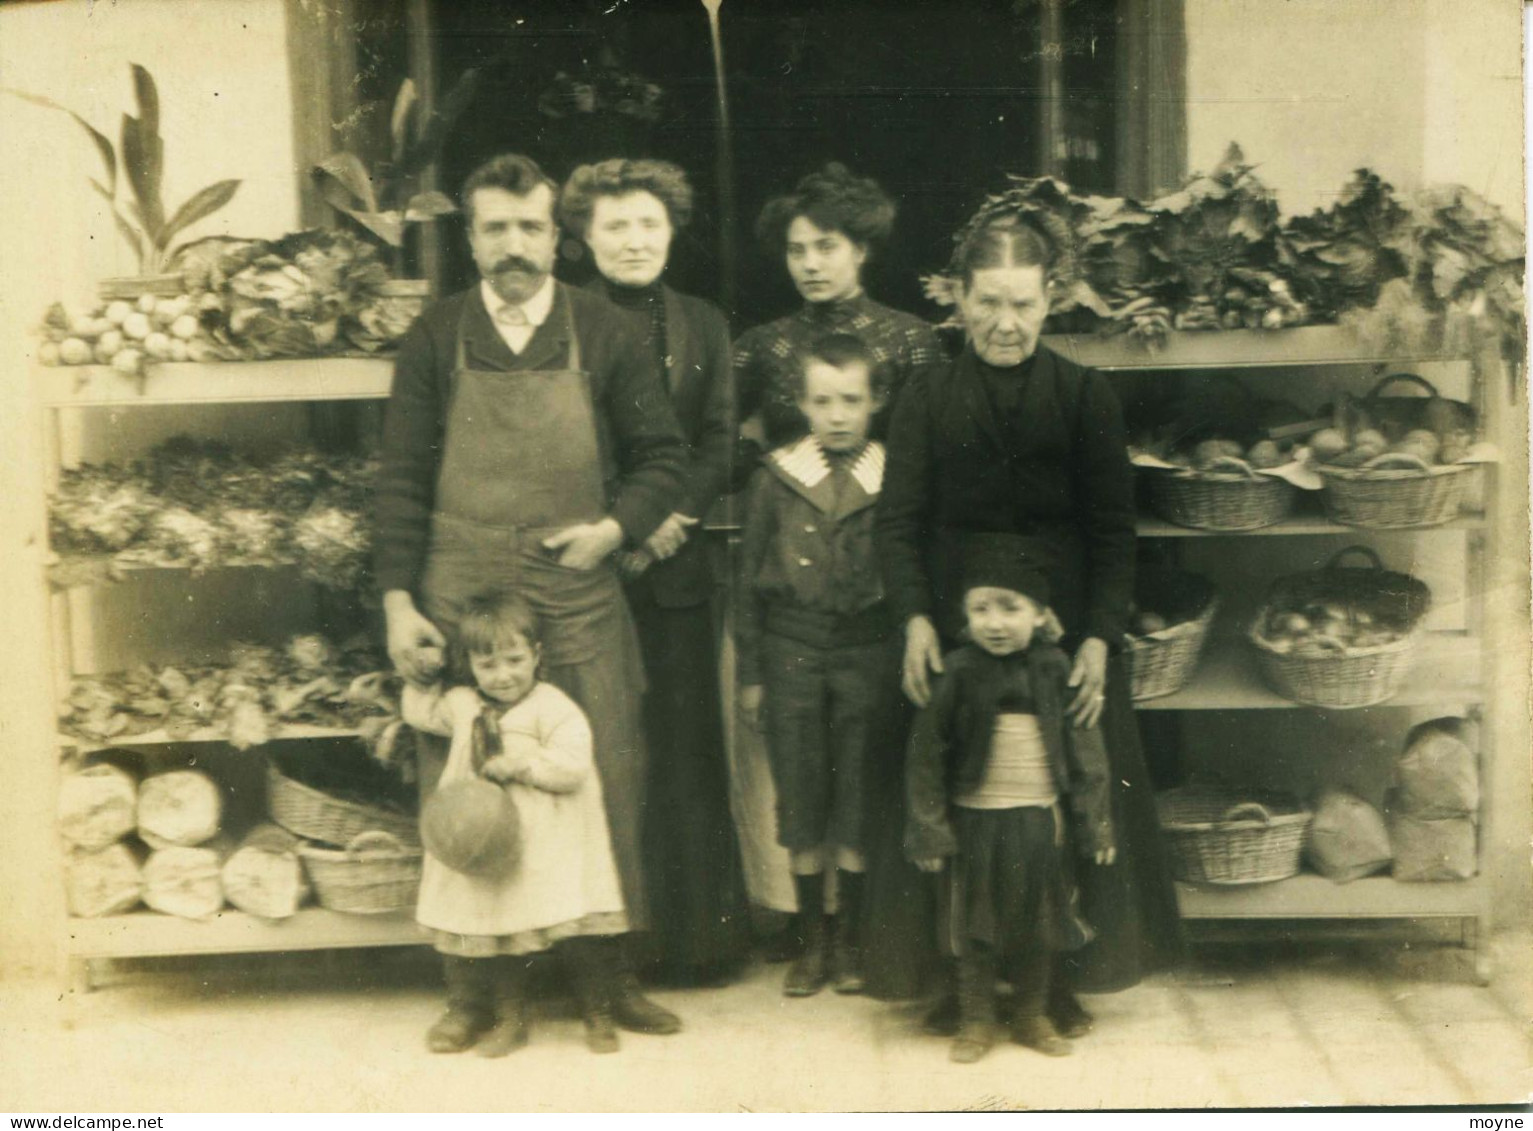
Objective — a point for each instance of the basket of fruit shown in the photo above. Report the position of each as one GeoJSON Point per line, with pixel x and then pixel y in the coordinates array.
{"type": "Point", "coordinates": [1340, 636]}
{"type": "Point", "coordinates": [1218, 836]}
{"type": "Point", "coordinates": [1394, 462]}
{"type": "Point", "coordinates": [1222, 488]}
{"type": "Point", "coordinates": [1171, 617]}
{"type": "Point", "coordinates": [374, 874]}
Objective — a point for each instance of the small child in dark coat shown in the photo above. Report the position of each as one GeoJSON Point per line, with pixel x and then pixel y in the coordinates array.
{"type": "Point", "coordinates": [990, 761]}
{"type": "Point", "coordinates": [816, 647]}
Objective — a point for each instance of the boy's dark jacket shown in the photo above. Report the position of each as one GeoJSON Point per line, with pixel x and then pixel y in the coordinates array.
{"type": "Point", "coordinates": [806, 558]}
{"type": "Point", "coordinates": [950, 746]}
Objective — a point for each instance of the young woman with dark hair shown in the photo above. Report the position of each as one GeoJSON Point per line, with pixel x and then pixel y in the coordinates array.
{"type": "Point", "coordinates": [825, 230]}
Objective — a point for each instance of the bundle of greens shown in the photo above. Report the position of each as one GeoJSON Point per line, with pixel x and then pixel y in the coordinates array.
{"type": "Point", "coordinates": [199, 504]}
{"type": "Point", "coordinates": [299, 296]}
{"type": "Point", "coordinates": [1341, 257]}
{"type": "Point", "coordinates": [1217, 237]}
{"type": "Point", "coordinates": [245, 700]}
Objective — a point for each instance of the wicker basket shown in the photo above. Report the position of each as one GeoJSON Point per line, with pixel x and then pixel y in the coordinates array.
{"type": "Point", "coordinates": [1162, 663]}
{"type": "Point", "coordinates": [1395, 491]}
{"type": "Point", "coordinates": [316, 815]}
{"type": "Point", "coordinates": [1351, 677]}
{"type": "Point", "coordinates": [1235, 499]}
{"type": "Point", "coordinates": [372, 875]}
{"type": "Point", "coordinates": [1216, 837]}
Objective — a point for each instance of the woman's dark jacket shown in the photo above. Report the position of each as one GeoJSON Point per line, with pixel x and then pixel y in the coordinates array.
{"type": "Point", "coordinates": [950, 745]}
{"type": "Point", "coordinates": [1049, 462]}
{"type": "Point", "coordinates": [697, 368]}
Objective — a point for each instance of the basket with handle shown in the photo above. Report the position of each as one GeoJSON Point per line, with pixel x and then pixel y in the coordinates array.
{"type": "Point", "coordinates": [1228, 495]}
{"type": "Point", "coordinates": [1400, 490]}
{"type": "Point", "coordinates": [1395, 491]}
{"type": "Point", "coordinates": [1161, 663]}
{"type": "Point", "coordinates": [315, 814]}
{"type": "Point", "coordinates": [1218, 836]}
{"type": "Point", "coordinates": [1333, 675]}
{"type": "Point", "coordinates": [375, 873]}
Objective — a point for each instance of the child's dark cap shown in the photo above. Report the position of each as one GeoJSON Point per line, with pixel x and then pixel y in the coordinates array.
{"type": "Point", "coordinates": [1004, 561]}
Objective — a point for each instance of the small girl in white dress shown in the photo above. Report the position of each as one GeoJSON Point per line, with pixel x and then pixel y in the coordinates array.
{"type": "Point", "coordinates": [564, 888]}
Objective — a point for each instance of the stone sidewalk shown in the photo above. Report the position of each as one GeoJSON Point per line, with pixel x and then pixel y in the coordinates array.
{"type": "Point", "coordinates": [1361, 1022]}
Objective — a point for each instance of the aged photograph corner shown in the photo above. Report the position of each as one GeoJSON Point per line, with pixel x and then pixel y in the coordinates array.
{"type": "Point", "coordinates": [725, 555]}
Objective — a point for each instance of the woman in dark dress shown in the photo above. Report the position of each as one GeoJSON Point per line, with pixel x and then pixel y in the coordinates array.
{"type": "Point", "coordinates": [1012, 438]}
{"type": "Point", "coordinates": [825, 230]}
{"type": "Point", "coordinates": [627, 212]}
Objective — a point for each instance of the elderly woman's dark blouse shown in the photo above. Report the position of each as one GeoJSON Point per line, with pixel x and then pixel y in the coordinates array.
{"type": "Point", "coordinates": [1037, 450]}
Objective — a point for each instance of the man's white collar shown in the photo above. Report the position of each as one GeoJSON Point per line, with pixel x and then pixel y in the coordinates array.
{"type": "Point", "coordinates": [536, 308]}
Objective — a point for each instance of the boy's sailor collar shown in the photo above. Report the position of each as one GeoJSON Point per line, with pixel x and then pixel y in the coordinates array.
{"type": "Point", "coordinates": [804, 466]}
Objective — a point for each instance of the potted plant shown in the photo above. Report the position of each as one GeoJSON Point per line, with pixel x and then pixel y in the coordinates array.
{"type": "Point", "coordinates": [144, 223]}
{"type": "Point", "coordinates": [381, 201]}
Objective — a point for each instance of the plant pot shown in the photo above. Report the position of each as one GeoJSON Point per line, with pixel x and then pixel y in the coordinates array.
{"type": "Point", "coordinates": [131, 287]}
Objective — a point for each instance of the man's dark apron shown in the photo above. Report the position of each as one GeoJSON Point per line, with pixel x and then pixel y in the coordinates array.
{"type": "Point", "coordinates": [521, 461]}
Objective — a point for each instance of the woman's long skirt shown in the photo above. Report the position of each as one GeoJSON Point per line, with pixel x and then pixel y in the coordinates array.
{"type": "Point", "coordinates": [699, 923]}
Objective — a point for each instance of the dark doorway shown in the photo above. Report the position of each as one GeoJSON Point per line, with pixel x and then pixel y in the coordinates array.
{"type": "Point", "coordinates": [937, 99]}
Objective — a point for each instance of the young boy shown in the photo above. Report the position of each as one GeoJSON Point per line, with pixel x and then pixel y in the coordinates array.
{"type": "Point", "coordinates": [816, 647]}
{"type": "Point", "coordinates": [990, 762]}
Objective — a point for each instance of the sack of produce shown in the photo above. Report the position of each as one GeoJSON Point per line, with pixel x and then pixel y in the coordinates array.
{"type": "Point", "coordinates": [97, 806]}
{"type": "Point", "coordinates": [1341, 636]}
{"type": "Point", "coordinates": [1430, 849]}
{"type": "Point", "coordinates": [105, 882]}
{"type": "Point", "coordinates": [1438, 774]}
{"type": "Point", "coordinates": [178, 808]}
{"type": "Point", "coordinates": [264, 875]}
{"type": "Point", "coordinates": [1347, 839]}
{"type": "Point", "coordinates": [185, 881]}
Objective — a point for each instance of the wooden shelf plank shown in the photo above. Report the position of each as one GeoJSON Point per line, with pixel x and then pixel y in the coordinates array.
{"type": "Point", "coordinates": [230, 382]}
{"type": "Point", "coordinates": [1229, 349]}
{"type": "Point", "coordinates": [1445, 673]}
{"type": "Point", "coordinates": [206, 734]}
{"type": "Point", "coordinates": [1302, 524]}
{"type": "Point", "coordinates": [1309, 896]}
{"type": "Point", "coordinates": [148, 933]}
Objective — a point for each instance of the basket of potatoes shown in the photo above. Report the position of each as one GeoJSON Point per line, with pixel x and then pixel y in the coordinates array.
{"type": "Point", "coordinates": [1342, 636]}
{"type": "Point", "coordinates": [1395, 462]}
{"type": "Point", "coordinates": [1218, 485]}
{"type": "Point", "coordinates": [1169, 626]}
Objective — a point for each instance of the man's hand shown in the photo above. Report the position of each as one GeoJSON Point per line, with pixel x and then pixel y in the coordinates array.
{"type": "Point", "coordinates": [670, 536]}
{"type": "Point", "coordinates": [1106, 856]}
{"type": "Point", "coordinates": [929, 863]}
{"type": "Point", "coordinates": [1089, 677]}
{"type": "Point", "coordinates": [923, 655]}
{"type": "Point", "coordinates": [585, 546]}
{"type": "Point", "coordinates": [415, 644]}
{"type": "Point", "coordinates": [750, 698]}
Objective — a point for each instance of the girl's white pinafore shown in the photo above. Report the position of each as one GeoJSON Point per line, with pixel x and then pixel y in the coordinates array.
{"type": "Point", "coordinates": [565, 883]}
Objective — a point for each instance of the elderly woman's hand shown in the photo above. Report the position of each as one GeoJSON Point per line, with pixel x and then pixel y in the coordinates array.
{"type": "Point", "coordinates": [1089, 678]}
{"type": "Point", "coordinates": [923, 655]}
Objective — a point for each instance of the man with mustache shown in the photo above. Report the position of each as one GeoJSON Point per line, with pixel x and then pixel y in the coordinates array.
{"type": "Point", "coordinates": [528, 437]}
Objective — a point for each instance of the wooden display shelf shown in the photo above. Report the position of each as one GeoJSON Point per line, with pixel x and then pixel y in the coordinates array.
{"type": "Point", "coordinates": [1231, 349]}
{"type": "Point", "coordinates": [149, 933]}
{"type": "Point", "coordinates": [219, 382]}
{"type": "Point", "coordinates": [1445, 673]}
{"type": "Point", "coordinates": [206, 734]}
{"type": "Point", "coordinates": [1308, 896]}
